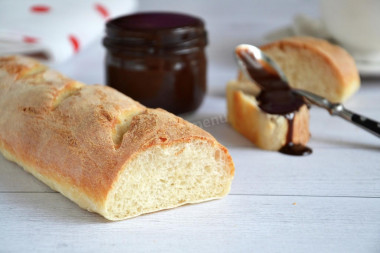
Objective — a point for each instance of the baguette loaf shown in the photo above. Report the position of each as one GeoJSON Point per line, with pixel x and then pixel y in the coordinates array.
{"type": "Point", "coordinates": [104, 151]}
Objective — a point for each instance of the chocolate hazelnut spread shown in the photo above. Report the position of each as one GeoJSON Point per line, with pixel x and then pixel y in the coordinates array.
{"type": "Point", "coordinates": [158, 59]}
{"type": "Point", "coordinates": [276, 97]}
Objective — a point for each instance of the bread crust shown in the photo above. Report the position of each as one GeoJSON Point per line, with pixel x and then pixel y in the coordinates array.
{"type": "Point", "coordinates": [342, 77]}
{"type": "Point", "coordinates": [70, 145]}
{"type": "Point", "coordinates": [266, 131]}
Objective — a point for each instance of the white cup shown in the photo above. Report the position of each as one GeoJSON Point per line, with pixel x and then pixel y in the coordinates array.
{"type": "Point", "coordinates": [354, 24]}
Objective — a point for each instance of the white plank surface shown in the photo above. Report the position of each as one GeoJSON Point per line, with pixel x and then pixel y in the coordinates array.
{"type": "Point", "coordinates": [326, 202]}
{"type": "Point", "coordinates": [238, 223]}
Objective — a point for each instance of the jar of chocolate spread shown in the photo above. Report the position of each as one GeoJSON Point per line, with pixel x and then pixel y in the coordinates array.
{"type": "Point", "coordinates": [158, 59]}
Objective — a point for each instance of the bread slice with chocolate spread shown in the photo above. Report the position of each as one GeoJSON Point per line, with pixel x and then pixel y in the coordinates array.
{"type": "Point", "coordinates": [311, 64]}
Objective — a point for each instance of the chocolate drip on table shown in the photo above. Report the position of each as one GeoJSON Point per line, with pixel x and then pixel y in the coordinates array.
{"type": "Point", "coordinates": [276, 97]}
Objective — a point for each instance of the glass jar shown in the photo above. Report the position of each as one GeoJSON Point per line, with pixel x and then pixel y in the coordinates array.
{"type": "Point", "coordinates": [158, 59]}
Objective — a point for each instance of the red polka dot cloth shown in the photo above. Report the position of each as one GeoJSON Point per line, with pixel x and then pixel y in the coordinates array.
{"type": "Point", "coordinates": [55, 30]}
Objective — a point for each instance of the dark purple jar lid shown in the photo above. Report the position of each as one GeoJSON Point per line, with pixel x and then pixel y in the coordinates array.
{"type": "Point", "coordinates": [157, 29]}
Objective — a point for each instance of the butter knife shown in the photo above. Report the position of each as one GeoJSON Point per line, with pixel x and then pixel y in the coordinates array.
{"type": "Point", "coordinates": [337, 109]}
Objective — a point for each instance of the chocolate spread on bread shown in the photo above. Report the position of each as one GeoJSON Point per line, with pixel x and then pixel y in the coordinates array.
{"type": "Point", "coordinates": [276, 97]}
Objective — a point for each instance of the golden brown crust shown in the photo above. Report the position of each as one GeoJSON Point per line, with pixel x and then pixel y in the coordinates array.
{"type": "Point", "coordinates": [323, 56]}
{"type": "Point", "coordinates": [62, 131]}
{"type": "Point", "coordinates": [19, 66]}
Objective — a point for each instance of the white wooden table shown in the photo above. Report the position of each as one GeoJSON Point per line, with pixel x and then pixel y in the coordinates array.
{"type": "Point", "coordinates": [326, 202]}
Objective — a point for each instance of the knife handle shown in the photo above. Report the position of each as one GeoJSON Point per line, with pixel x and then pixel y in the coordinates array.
{"type": "Point", "coordinates": [367, 124]}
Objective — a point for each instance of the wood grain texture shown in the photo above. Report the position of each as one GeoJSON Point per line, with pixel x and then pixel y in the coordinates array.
{"type": "Point", "coordinates": [234, 224]}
